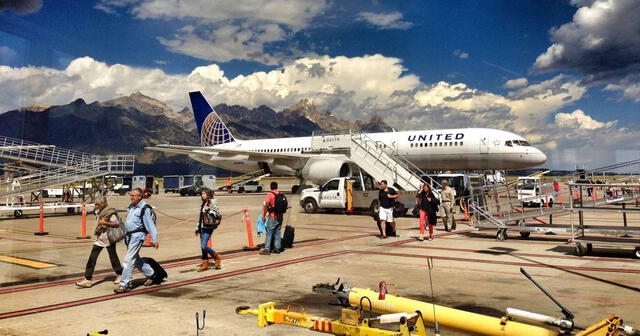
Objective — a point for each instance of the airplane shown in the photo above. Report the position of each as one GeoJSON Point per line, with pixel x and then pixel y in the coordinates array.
{"type": "Point", "coordinates": [436, 149]}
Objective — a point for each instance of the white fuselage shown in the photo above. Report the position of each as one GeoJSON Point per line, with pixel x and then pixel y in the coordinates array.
{"type": "Point", "coordinates": [449, 149]}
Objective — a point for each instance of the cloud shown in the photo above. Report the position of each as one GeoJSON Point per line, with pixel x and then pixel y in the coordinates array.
{"type": "Point", "coordinates": [21, 6]}
{"type": "Point", "coordinates": [392, 20]}
{"type": "Point", "coordinates": [460, 54]}
{"type": "Point", "coordinates": [629, 87]}
{"type": "Point", "coordinates": [350, 88]}
{"type": "Point", "coordinates": [225, 30]}
{"type": "Point", "coordinates": [601, 42]}
{"type": "Point", "coordinates": [516, 83]}
{"type": "Point", "coordinates": [581, 121]}
{"type": "Point", "coordinates": [7, 55]}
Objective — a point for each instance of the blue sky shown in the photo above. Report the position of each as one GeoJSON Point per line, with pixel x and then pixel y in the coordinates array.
{"type": "Point", "coordinates": [425, 48]}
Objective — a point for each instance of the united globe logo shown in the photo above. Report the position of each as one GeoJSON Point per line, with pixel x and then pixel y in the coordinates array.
{"type": "Point", "coordinates": [214, 131]}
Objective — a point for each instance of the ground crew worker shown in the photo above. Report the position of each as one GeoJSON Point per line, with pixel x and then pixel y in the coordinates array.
{"type": "Point", "coordinates": [447, 203]}
{"type": "Point", "coordinates": [229, 184]}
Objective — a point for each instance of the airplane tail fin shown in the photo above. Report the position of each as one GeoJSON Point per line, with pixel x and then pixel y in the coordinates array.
{"type": "Point", "coordinates": [211, 128]}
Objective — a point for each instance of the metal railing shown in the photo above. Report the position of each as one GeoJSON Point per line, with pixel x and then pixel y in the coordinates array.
{"type": "Point", "coordinates": [35, 153]}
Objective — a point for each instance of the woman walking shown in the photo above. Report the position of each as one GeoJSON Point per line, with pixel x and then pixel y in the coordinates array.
{"type": "Point", "coordinates": [210, 217]}
{"type": "Point", "coordinates": [105, 218]}
{"type": "Point", "coordinates": [428, 205]}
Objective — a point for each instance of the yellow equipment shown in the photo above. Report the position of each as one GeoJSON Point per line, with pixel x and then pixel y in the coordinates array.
{"type": "Point", "coordinates": [472, 323]}
{"type": "Point", "coordinates": [351, 322]}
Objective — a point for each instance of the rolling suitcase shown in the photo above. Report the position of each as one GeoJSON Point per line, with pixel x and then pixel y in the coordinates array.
{"type": "Point", "coordinates": [159, 274]}
{"type": "Point", "coordinates": [288, 236]}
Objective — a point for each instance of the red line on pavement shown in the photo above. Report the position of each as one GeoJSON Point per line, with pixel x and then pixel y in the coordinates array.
{"type": "Point", "coordinates": [171, 265]}
{"type": "Point", "coordinates": [498, 262]}
{"type": "Point", "coordinates": [499, 253]}
{"type": "Point", "coordinates": [166, 286]}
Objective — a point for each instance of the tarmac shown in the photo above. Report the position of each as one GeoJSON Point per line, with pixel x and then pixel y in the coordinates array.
{"type": "Point", "coordinates": [472, 271]}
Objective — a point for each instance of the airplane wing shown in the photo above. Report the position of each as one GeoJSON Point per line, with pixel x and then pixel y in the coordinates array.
{"type": "Point", "coordinates": [226, 152]}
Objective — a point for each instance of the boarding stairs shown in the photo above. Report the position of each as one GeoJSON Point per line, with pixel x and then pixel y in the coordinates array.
{"type": "Point", "coordinates": [57, 166]}
{"type": "Point", "coordinates": [499, 206]}
{"type": "Point", "coordinates": [378, 160]}
{"type": "Point", "coordinates": [246, 178]}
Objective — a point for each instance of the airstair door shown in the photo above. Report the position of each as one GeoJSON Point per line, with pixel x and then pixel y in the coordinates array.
{"type": "Point", "coordinates": [484, 145]}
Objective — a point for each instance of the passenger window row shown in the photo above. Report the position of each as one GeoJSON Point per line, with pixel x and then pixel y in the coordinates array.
{"type": "Point", "coordinates": [438, 144]}
{"type": "Point", "coordinates": [281, 150]}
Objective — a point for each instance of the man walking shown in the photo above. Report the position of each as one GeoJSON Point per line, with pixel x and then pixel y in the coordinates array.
{"type": "Point", "coordinates": [273, 222]}
{"type": "Point", "coordinates": [448, 198]}
{"type": "Point", "coordinates": [139, 222]}
{"type": "Point", "coordinates": [386, 199]}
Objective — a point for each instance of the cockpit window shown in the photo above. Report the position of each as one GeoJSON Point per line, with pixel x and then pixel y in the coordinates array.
{"type": "Point", "coordinates": [512, 143]}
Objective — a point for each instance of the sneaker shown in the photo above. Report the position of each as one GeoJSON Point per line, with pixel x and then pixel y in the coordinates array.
{"type": "Point", "coordinates": [149, 282]}
{"type": "Point", "coordinates": [276, 251]}
{"type": "Point", "coordinates": [264, 252]}
{"type": "Point", "coordinates": [117, 280]}
{"type": "Point", "coordinates": [84, 283]}
{"type": "Point", "coordinates": [430, 238]}
{"type": "Point", "coordinates": [420, 239]}
{"type": "Point", "coordinates": [120, 289]}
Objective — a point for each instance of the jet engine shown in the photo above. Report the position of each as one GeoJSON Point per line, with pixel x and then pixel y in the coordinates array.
{"type": "Point", "coordinates": [321, 169]}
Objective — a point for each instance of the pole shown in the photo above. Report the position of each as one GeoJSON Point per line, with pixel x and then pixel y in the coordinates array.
{"type": "Point", "coordinates": [83, 225]}
{"type": "Point", "coordinates": [41, 224]}
{"type": "Point", "coordinates": [247, 221]}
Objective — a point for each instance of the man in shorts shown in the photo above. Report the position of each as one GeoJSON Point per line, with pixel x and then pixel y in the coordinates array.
{"type": "Point", "coordinates": [386, 199]}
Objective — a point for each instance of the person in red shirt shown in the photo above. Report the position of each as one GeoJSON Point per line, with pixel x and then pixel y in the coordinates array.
{"type": "Point", "coordinates": [273, 222]}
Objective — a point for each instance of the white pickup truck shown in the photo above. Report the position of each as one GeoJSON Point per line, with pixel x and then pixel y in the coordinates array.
{"type": "Point", "coordinates": [333, 195]}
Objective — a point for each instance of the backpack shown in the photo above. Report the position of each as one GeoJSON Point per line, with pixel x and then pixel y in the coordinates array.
{"type": "Point", "coordinates": [280, 204]}
{"type": "Point", "coordinates": [153, 218]}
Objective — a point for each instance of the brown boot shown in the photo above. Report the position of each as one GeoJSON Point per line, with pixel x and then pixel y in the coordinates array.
{"type": "Point", "coordinates": [217, 261]}
{"type": "Point", "coordinates": [204, 266]}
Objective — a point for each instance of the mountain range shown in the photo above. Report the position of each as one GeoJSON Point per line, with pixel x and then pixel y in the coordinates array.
{"type": "Point", "coordinates": [127, 124]}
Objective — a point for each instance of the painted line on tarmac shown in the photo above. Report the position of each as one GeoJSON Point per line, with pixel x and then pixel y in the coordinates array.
{"type": "Point", "coordinates": [41, 249]}
{"type": "Point", "coordinates": [500, 253]}
{"type": "Point", "coordinates": [498, 262]}
{"type": "Point", "coordinates": [36, 264]}
{"type": "Point", "coordinates": [30, 233]}
{"type": "Point", "coordinates": [437, 235]}
{"type": "Point", "coordinates": [102, 298]}
{"type": "Point", "coordinates": [37, 283]}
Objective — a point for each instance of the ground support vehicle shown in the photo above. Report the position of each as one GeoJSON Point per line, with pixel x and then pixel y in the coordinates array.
{"type": "Point", "coordinates": [531, 192]}
{"type": "Point", "coordinates": [362, 192]}
{"type": "Point", "coordinates": [19, 211]}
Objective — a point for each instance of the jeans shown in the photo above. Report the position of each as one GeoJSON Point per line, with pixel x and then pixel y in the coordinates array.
{"type": "Point", "coordinates": [133, 259]}
{"type": "Point", "coordinates": [274, 228]}
{"type": "Point", "coordinates": [206, 250]}
{"type": "Point", "coordinates": [93, 257]}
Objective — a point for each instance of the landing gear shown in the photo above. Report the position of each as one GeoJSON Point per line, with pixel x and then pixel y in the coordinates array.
{"type": "Point", "coordinates": [17, 213]}
{"type": "Point", "coordinates": [501, 234]}
{"type": "Point", "coordinates": [294, 189]}
{"type": "Point", "coordinates": [637, 252]}
{"type": "Point", "coordinates": [525, 234]}
{"type": "Point", "coordinates": [580, 250]}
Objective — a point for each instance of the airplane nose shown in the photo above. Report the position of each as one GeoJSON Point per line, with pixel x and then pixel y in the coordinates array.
{"type": "Point", "coordinates": [538, 157]}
